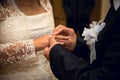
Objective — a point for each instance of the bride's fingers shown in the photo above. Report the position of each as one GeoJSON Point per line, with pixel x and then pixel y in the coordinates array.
{"type": "Point", "coordinates": [53, 41]}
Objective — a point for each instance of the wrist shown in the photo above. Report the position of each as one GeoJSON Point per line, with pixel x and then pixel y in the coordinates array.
{"type": "Point", "coordinates": [37, 44]}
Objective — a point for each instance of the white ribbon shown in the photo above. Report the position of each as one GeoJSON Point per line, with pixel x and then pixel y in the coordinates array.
{"type": "Point", "coordinates": [90, 35]}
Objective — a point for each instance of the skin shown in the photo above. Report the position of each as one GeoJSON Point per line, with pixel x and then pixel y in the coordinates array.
{"type": "Point", "coordinates": [64, 36]}
{"type": "Point", "coordinates": [41, 42]}
{"type": "Point", "coordinates": [14, 52]}
{"type": "Point", "coordinates": [30, 7]}
{"type": "Point", "coordinates": [33, 7]}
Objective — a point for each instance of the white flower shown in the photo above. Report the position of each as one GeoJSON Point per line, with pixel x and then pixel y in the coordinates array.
{"type": "Point", "coordinates": [90, 35]}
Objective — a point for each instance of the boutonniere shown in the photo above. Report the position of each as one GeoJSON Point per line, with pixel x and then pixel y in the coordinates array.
{"type": "Point", "coordinates": [90, 35]}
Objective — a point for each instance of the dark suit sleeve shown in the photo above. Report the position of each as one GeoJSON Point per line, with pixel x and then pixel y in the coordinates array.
{"type": "Point", "coordinates": [67, 66]}
{"type": "Point", "coordinates": [81, 49]}
{"type": "Point", "coordinates": [62, 61]}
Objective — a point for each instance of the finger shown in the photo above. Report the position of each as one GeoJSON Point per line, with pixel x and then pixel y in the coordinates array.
{"type": "Point", "coordinates": [61, 37]}
{"type": "Point", "coordinates": [61, 41]}
{"type": "Point", "coordinates": [59, 29]}
{"type": "Point", "coordinates": [53, 41]}
{"type": "Point", "coordinates": [59, 26]}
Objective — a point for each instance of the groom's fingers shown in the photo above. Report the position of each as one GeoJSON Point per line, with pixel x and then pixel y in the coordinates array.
{"type": "Point", "coordinates": [56, 29]}
{"type": "Point", "coordinates": [59, 29]}
{"type": "Point", "coordinates": [60, 37]}
{"type": "Point", "coordinates": [53, 41]}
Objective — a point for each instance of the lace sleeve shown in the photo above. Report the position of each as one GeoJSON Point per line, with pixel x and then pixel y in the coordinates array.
{"type": "Point", "coordinates": [2, 15]}
{"type": "Point", "coordinates": [14, 52]}
{"type": "Point", "coordinates": [7, 10]}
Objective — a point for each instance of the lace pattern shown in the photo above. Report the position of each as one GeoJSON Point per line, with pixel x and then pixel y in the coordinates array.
{"type": "Point", "coordinates": [14, 45]}
{"type": "Point", "coordinates": [18, 59]}
{"type": "Point", "coordinates": [14, 29]}
{"type": "Point", "coordinates": [14, 52]}
{"type": "Point", "coordinates": [8, 10]}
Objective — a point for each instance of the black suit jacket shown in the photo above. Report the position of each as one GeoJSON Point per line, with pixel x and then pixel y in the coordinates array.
{"type": "Point", "coordinates": [78, 13]}
{"type": "Point", "coordinates": [68, 65]}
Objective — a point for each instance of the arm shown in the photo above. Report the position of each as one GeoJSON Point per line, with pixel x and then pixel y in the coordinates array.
{"type": "Point", "coordinates": [11, 53]}
{"type": "Point", "coordinates": [14, 52]}
{"type": "Point", "coordinates": [81, 50]}
{"type": "Point", "coordinates": [73, 43]}
{"type": "Point", "coordinates": [66, 66]}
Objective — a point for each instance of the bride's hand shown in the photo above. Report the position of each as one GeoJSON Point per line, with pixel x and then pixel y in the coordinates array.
{"type": "Point", "coordinates": [41, 42]}
{"type": "Point", "coordinates": [53, 42]}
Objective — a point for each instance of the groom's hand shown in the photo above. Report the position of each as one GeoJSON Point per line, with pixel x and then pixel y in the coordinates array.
{"type": "Point", "coordinates": [66, 33]}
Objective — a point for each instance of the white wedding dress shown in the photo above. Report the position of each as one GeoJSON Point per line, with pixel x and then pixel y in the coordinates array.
{"type": "Point", "coordinates": [18, 59]}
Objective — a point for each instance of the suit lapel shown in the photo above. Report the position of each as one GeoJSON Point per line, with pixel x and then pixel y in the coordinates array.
{"type": "Point", "coordinates": [111, 18]}
{"type": "Point", "coordinates": [107, 32]}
